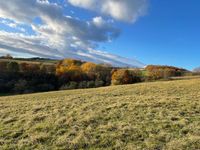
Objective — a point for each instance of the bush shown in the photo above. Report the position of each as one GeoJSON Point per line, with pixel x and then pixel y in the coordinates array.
{"type": "Point", "coordinates": [4, 87]}
{"type": "Point", "coordinates": [99, 83]}
{"type": "Point", "coordinates": [82, 85]}
{"type": "Point", "coordinates": [90, 84]}
{"type": "Point", "coordinates": [45, 87]}
{"type": "Point", "coordinates": [20, 86]}
{"type": "Point", "coordinates": [26, 82]}
{"type": "Point", "coordinates": [70, 85]}
{"type": "Point", "coordinates": [9, 86]}
{"type": "Point", "coordinates": [137, 76]}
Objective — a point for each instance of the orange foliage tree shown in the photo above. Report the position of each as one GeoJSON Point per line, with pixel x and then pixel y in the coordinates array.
{"type": "Point", "coordinates": [121, 76]}
{"type": "Point", "coordinates": [69, 70]}
{"type": "Point", "coordinates": [90, 69]}
{"type": "Point", "coordinates": [159, 72]}
{"type": "Point", "coordinates": [29, 67]}
{"type": "Point", "coordinates": [67, 65]}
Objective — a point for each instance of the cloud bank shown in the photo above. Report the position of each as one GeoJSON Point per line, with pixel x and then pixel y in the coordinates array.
{"type": "Point", "coordinates": [125, 10]}
{"type": "Point", "coordinates": [40, 28]}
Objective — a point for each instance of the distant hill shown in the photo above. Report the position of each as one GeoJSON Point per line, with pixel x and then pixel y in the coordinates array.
{"type": "Point", "coordinates": [31, 60]}
{"type": "Point", "coordinates": [197, 69]}
{"type": "Point", "coordinates": [116, 62]}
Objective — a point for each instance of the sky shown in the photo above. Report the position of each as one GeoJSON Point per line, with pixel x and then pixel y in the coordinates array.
{"type": "Point", "coordinates": [119, 32]}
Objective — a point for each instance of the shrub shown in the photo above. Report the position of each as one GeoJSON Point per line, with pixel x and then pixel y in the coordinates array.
{"type": "Point", "coordinates": [137, 76]}
{"type": "Point", "coordinates": [4, 87]}
{"type": "Point", "coordinates": [99, 83]}
{"type": "Point", "coordinates": [70, 85]}
{"type": "Point", "coordinates": [104, 74]}
{"type": "Point", "coordinates": [90, 84]}
{"type": "Point", "coordinates": [45, 87]}
{"type": "Point", "coordinates": [82, 85]}
{"type": "Point", "coordinates": [20, 86]}
{"type": "Point", "coordinates": [9, 86]}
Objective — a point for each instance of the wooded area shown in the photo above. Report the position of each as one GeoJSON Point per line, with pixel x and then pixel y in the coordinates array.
{"type": "Point", "coordinates": [26, 77]}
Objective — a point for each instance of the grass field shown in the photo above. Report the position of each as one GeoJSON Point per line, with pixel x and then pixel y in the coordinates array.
{"type": "Point", "coordinates": [159, 115]}
{"type": "Point", "coordinates": [46, 62]}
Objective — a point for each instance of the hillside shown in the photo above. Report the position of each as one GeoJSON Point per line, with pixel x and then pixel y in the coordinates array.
{"type": "Point", "coordinates": [115, 61]}
{"type": "Point", "coordinates": [31, 60]}
{"type": "Point", "coordinates": [159, 115]}
{"type": "Point", "coordinates": [197, 69]}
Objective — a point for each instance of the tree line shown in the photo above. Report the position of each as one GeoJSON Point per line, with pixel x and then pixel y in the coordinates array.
{"type": "Point", "coordinates": [17, 78]}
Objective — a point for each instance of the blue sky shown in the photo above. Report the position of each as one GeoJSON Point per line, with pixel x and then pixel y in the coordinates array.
{"type": "Point", "coordinates": [151, 31]}
{"type": "Point", "coordinates": [169, 34]}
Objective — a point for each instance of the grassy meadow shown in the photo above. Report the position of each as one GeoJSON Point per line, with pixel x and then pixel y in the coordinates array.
{"type": "Point", "coordinates": [152, 116]}
{"type": "Point", "coordinates": [30, 61]}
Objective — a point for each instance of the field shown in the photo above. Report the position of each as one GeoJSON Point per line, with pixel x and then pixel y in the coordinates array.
{"type": "Point", "coordinates": [158, 115]}
{"type": "Point", "coordinates": [30, 61]}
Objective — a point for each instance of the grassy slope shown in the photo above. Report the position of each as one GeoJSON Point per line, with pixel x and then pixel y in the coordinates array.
{"type": "Point", "coordinates": [160, 115]}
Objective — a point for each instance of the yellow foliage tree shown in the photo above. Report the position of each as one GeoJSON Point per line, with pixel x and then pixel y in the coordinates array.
{"type": "Point", "coordinates": [68, 65]}
{"type": "Point", "coordinates": [70, 69]}
{"type": "Point", "coordinates": [121, 76]}
{"type": "Point", "coordinates": [89, 67]}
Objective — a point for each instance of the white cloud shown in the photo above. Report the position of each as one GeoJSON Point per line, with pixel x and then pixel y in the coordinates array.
{"type": "Point", "coordinates": [58, 36]}
{"type": "Point", "coordinates": [125, 10]}
{"type": "Point", "coordinates": [98, 21]}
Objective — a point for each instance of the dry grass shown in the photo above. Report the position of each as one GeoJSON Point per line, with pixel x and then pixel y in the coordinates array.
{"type": "Point", "coordinates": [185, 77]}
{"type": "Point", "coordinates": [37, 62]}
{"type": "Point", "coordinates": [160, 115]}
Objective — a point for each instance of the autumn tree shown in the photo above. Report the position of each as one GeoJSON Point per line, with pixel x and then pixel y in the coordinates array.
{"type": "Point", "coordinates": [159, 72]}
{"type": "Point", "coordinates": [29, 67]}
{"type": "Point", "coordinates": [23, 67]}
{"type": "Point", "coordinates": [69, 70]}
{"type": "Point", "coordinates": [70, 62]}
{"type": "Point", "coordinates": [33, 67]}
{"type": "Point", "coordinates": [66, 65]}
{"type": "Point", "coordinates": [121, 76]}
{"type": "Point", "coordinates": [90, 69]}
{"type": "Point", "coordinates": [104, 74]}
